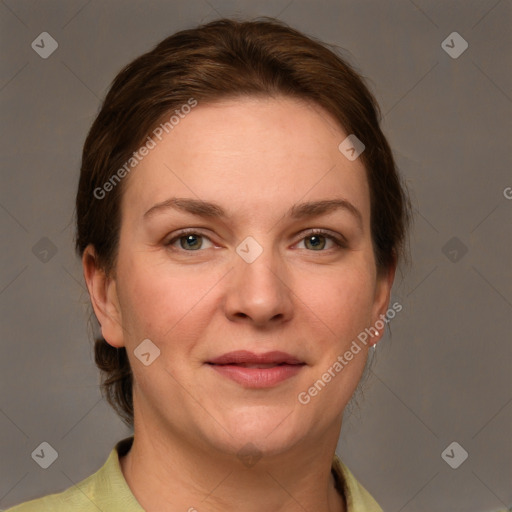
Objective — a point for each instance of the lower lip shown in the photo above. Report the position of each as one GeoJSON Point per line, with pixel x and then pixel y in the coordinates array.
{"type": "Point", "coordinates": [258, 377]}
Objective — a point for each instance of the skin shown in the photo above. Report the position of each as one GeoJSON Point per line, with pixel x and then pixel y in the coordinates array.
{"type": "Point", "coordinates": [255, 157]}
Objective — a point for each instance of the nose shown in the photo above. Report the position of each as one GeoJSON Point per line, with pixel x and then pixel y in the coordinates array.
{"type": "Point", "coordinates": [259, 292]}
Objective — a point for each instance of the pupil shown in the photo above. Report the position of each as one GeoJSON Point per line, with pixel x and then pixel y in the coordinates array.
{"type": "Point", "coordinates": [318, 243]}
{"type": "Point", "coordinates": [190, 238]}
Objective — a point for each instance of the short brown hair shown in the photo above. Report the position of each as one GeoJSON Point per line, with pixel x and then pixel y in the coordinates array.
{"type": "Point", "coordinates": [223, 59]}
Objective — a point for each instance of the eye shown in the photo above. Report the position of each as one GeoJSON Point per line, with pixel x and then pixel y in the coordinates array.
{"type": "Point", "coordinates": [316, 238]}
{"type": "Point", "coordinates": [190, 240]}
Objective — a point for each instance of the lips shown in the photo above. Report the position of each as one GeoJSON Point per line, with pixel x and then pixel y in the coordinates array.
{"type": "Point", "coordinates": [257, 370]}
{"type": "Point", "coordinates": [249, 359]}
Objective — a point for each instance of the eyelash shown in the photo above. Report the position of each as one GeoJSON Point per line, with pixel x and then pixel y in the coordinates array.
{"type": "Point", "coordinates": [340, 242]}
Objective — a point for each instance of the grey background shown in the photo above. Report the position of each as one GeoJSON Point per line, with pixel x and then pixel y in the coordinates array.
{"type": "Point", "coordinates": [445, 373]}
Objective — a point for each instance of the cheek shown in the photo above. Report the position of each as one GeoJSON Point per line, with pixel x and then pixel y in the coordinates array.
{"type": "Point", "coordinates": [344, 305]}
{"type": "Point", "coordinates": [356, 301]}
{"type": "Point", "coordinates": [157, 300]}
{"type": "Point", "coordinates": [341, 299]}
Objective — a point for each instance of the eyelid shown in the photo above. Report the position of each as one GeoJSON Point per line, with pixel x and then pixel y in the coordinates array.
{"type": "Point", "coordinates": [339, 240]}
{"type": "Point", "coordinates": [184, 232]}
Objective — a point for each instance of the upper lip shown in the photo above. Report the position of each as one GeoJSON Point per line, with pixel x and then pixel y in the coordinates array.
{"type": "Point", "coordinates": [246, 357]}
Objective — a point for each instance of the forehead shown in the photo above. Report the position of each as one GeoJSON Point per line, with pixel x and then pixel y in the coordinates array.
{"type": "Point", "coordinates": [249, 153]}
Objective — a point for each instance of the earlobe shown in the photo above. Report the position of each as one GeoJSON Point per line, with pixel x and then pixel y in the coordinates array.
{"type": "Point", "coordinates": [103, 294]}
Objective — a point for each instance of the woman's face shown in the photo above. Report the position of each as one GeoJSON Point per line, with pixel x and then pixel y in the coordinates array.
{"type": "Point", "coordinates": [254, 280]}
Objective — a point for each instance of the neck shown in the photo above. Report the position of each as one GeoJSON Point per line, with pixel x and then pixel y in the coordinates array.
{"type": "Point", "coordinates": [167, 474]}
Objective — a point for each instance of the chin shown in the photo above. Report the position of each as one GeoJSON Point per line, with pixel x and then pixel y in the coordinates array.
{"type": "Point", "coordinates": [265, 429]}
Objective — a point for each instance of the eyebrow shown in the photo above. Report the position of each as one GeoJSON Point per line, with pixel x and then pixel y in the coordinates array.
{"type": "Point", "coordinates": [297, 211]}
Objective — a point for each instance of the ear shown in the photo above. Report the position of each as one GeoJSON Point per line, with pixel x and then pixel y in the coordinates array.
{"type": "Point", "coordinates": [382, 297]}
{"type": "Point", "coordinates": [103, 294]}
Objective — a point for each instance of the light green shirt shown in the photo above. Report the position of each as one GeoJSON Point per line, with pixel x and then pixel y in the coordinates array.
{"type": "Point", "coordinates": [108, 491]}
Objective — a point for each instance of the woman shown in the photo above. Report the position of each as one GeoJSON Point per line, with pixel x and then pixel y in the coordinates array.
{"type": "Point", "coordinates": [239, 219]}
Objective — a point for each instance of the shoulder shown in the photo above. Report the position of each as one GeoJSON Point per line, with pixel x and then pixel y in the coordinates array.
{"type": "Point", "coordinates": [357, 497]}
{"type": "Point", "coordinates": [74, 498]}
{"type": "Point", "coordinates": [106, 489]}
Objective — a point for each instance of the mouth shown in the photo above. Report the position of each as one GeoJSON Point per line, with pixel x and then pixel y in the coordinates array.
{"type": "Point", "coordinates": [257, 370]}
{"type": "Point", "coordinates": [246, 358]}
{"type": "Point", "coordinates": [255, 365]}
